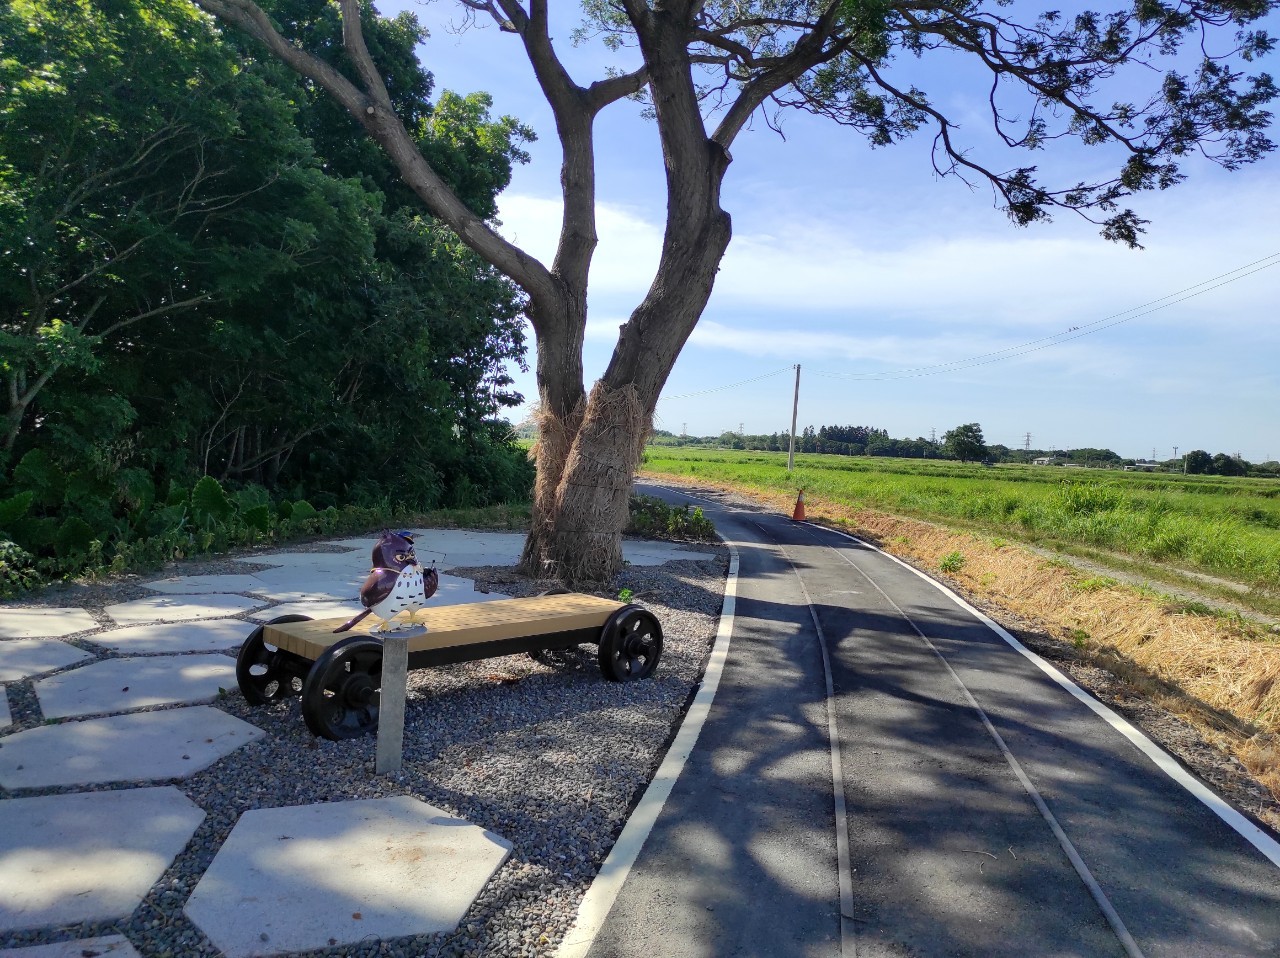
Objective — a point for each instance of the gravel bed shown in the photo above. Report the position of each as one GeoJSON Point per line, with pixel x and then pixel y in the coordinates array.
{"type": "Point", "coordinates": [552, 759]}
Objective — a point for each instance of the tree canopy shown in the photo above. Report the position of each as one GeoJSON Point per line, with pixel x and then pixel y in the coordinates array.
{"type": "Point", "coordinates": [965, 442]}
{"type": "Point", "coordinates": [197, 289]}
{"type": "Point", "coordinates": [1147, 83]}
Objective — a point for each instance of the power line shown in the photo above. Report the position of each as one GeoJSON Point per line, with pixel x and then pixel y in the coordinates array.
{"type": "Point", "coordinates": [1012, 352]}
{"type": "Point", "coordinates": [1075, 332]}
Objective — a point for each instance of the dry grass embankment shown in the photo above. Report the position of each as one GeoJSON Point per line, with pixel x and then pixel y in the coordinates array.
{"type": "Point", "coordinates": [1219, 672]}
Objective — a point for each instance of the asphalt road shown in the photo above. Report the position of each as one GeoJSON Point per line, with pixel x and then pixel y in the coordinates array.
{"type": "Point", "coordinates": [960, 758]}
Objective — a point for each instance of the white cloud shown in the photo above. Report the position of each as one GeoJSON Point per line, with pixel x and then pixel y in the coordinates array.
{"type": "Point", "coordinates": [626, 257]}
{"type": "Point", "coordinates": [815, 272]}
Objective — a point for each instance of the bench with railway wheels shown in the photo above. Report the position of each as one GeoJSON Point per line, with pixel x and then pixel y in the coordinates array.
{"type": "Point", "coordinates": [339, 676]}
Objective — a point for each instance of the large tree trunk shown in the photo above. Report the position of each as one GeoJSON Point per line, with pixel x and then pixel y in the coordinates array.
{"type": "Point", "coordinates": [582, 496]}
{"type": "Point", "coordinates": [587, 459]}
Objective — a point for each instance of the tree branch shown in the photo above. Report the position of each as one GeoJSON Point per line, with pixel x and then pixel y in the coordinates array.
{"type": "Point", "coordinates": [383, 125]}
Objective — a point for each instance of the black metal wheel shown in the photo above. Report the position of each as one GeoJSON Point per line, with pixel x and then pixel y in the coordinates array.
{"type": "Point", "coordinates": [265, 673]}
{"type": "Point", "coordinates": [340, 697]}
{"type": "Point", "coordinates": [573, 658]}
{"type": "Point", "coordinates": [630, 645]}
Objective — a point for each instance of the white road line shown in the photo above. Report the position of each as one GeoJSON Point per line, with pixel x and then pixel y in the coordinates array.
{"type": "Point", "coordinates": [848, 938]}
{"type": "Point", "coordinates": [599, 899]}
{"type": "Point", "coordinates": [1095, 890]}
{"type": "Point", "coordinates": [1246, 829]}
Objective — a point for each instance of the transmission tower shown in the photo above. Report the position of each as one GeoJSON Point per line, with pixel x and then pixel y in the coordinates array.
{"type": "Point", "coordinates": [1026, 442]}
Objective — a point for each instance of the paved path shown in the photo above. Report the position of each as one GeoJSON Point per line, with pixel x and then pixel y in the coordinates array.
{"type": "Point", "coordinates": [960, 757]}
{"type": "Point", "coordinates": [70, 854]}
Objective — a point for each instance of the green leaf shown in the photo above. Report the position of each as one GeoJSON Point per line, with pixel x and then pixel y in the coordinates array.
{"type": "Point", "coordinates": [209, 501]}
{"type": "Point", "coordinates": [259, 517]}
{"type": "Point", "coordinates": [15, 508]}
{"type": "Point", "coordinates": [37, 473]}
{"type": "Point", "coordinates": [135, 489]}
{"type": "Point", "coordinates": [302, 510]}
{"type": "Point", "coordinates": [73, 537]}
{"type": "Point", "coordinates": [33, 534]}
{"type": "Point", "coordinates": [177, 494]}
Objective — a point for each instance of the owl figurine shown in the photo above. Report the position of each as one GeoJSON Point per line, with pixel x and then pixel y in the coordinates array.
{"type": "Point", "coordinates": [397, 582]}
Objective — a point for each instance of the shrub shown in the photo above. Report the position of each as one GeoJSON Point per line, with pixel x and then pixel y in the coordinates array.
{"type": "Point", "coordinates": [17, 569]}
{"type": "Point", "coordinates": [653, 518]}
{"type": "Point", "coordinates": [951, 562]}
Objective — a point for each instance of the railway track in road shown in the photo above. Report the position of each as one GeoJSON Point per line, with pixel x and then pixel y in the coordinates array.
{"type": "Point", "coordinates": [884, 773]}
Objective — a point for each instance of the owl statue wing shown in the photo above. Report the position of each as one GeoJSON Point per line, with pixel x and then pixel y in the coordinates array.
{"type": "Point", "coordinates": [378, 586]}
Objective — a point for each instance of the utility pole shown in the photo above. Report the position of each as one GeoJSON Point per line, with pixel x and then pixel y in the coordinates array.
{"type": "Point", "coordinates": [1175, 452]}
{"type": "Point", "coordinates": [1153, 453]}
{"type": "Point", "coordinates": [795, 409]}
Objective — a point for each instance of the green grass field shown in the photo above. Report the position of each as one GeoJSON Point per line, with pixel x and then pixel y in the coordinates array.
{"type": "Point", "coordinates": [1225, 527]}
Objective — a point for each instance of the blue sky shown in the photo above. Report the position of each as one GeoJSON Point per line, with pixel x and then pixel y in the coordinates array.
{"type": "Point", "coordinates": [862, 265]}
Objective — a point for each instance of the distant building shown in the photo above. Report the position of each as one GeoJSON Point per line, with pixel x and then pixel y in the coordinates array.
{"type": "Point", "coordinates": [1043, 461]}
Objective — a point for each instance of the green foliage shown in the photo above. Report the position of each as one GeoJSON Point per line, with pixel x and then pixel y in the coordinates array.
{"type": "Point", "coordinates": [651, 517]}
{"type": "Point", "coordinates": [74, 537]}
{"type": "Point", "coordinates": [1227, 527]}
{"type": "Point", "coordinates": [302, 511]}
{"type": "Point", "coordinates": [257, 518]}
{"type": "Point", "coordinates": [625, 595]}
{"type": "Point", "coordinates": [965, 442]}
{"type": "Point", "coordinates": [17, 570]}
{"type": "Point", "coordinates": [37, 473]}
{"type": "Point", "coordinates": [951, 562]}
{"type": "Point", "coordinates": [317, 291]}
{"type": "Point", "coordinates": [208, 501]}
{"type": "Point", "coordinates": [11, 510]}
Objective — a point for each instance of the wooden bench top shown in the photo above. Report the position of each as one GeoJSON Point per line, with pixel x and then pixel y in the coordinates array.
{"type": "Point", "coordinates": [452, 625]}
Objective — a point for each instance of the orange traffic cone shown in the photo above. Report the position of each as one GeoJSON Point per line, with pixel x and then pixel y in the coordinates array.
{"type": "Point", "coordinates": [797, 514]}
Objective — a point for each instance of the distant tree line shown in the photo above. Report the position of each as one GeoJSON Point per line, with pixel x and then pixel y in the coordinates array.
{"type": "Point", "coordinates": [965, 443]}
{"type": "Point", "coordinates": [209, 272]}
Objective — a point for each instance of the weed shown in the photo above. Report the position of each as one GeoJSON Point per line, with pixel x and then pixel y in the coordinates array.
{"type": "Point", "coordinates": [951, 562]}
{"type": "Point", "coordinates": [1094, 583]}
{"type": "Point", "coordinates": [625, 595]}
{"type": "Point", "coordinates": [1079, 637]}
{"type": "Point", "coordinates": [651, 517]}
{"type": "Point", "coordinates": [1189, 607]}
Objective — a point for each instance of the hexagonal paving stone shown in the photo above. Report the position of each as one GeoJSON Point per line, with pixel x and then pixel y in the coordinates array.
{"type": "Point", "coordinates": [176, 608]}
{"type": "Point", "coordinates": [43, 623]}
{"type": "Point", "coordinates": [289, 879]}
{"type": "Point", "coordinates": [23, 658]}
{"type": "Point", "coordinates": [122, 748]}
{"type": "Point", "coordinates": [325, 609]}
{"type": "Point", "coordinates": [109, 946]}
{"type": "Point", "coordinates": [117, 685]}
{"type": "Point", "coordinates": [195, 636]}
{"type": "Point", "coordinates": [302, 585]}
{"type": "Point", "coordinates": [203, 584]}
{"type": "Point", "coordinates": [66, 859]}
